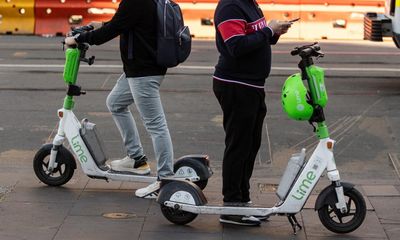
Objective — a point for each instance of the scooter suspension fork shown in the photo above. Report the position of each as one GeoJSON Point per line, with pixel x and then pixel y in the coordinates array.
{"type": "Point", "coordinates": [57, 142]}
{"type": "Point", "coordinates": [334, 176]}
{"type": "Point", "coordinates": [341, 204]}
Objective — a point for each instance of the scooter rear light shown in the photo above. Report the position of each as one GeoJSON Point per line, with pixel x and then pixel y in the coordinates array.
{"type": "Point", "coordinates": [60, 114]}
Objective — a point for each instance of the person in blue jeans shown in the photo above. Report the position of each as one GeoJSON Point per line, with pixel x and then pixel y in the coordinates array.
{"type": "Point", "coordinates": [135, 22]}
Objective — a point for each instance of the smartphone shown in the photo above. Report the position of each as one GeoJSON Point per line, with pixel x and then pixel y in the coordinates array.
{"type": "Point", "coordinates": [294, 20]}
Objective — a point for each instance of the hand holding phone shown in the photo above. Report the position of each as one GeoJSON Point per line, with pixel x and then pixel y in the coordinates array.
{"type": "Point", "coordinates": [294, 20]}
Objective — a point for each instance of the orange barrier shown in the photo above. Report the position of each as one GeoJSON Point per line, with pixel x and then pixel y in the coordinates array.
{"type": "Point", "coordinates": [17, 16]}
{"type": "Point", "coordinates": [319, 18]}
{"type": "Point", "coordinates": [378, 3]}
{"type": "Point", "coordinates": [56, 17]}
{"type": "Point", "coordinates": [328, 19]}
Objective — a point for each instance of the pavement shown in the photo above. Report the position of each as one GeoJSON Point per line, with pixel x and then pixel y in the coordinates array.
{"type": "Point", "coordinates": [363, 114]}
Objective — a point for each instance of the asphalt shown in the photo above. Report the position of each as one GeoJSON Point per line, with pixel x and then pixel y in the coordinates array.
{"type": "Point", "coordinates": [363, 113]}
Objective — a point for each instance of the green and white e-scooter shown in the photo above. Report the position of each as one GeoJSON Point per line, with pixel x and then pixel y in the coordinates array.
{"type": "Point", "coordinates": [341, 208]}
{"type": "Point", "coordinates": [54, 164]}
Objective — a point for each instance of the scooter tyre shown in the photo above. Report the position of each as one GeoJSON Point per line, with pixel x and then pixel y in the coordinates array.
{"type": "Point", "coordinates": [356, 208]}
{"type": "Point", "coordinates": [65, 168]}
{"type": "Point", "coordinates": [168, 190]}
{"type": "Point", "coordinates": [195, 165]}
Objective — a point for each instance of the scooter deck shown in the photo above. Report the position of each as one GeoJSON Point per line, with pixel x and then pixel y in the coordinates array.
{"type": "Point", "coordinates": [128, 173]}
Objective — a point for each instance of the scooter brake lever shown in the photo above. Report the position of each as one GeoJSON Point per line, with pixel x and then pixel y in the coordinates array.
{"type": "Point", "coordinates": [89, 61]}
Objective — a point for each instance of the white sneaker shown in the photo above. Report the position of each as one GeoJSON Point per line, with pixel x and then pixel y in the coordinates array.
{"type": "Point", "coordinates": [127, 164]}
{"type": "Point", "coordinates": [150, 191]}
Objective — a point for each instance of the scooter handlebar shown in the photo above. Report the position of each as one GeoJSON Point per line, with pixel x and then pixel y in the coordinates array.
{"type": "Point", "coordinates": [81, 29]}
{"type": "Point", "coordinates": [82, 46]}
{"type": "Point", "coordinates": [311, 50]}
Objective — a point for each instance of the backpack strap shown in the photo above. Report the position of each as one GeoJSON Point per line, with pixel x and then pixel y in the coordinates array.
{"type": "Point", "coordinates": [130, 45]}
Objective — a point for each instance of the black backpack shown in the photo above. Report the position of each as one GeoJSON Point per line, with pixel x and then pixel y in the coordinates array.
{"type": "Point", "coordinates": [174, 41]}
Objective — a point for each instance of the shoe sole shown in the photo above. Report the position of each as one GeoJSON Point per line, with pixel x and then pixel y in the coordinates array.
{"type": "Point", "coordinates": [262, 218]}
{"type": "Point", "coordinates": [238, 223]}
{"type": "Point", "coordinates": [152, 195]}
{"type": "Point", "coordinates": [131, 170]}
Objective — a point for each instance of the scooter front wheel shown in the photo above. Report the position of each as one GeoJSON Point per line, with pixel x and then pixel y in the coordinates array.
{"type": "Point", "coordinates": [336, 221]}
{"type": "Point", "coordinates": [62, 173]}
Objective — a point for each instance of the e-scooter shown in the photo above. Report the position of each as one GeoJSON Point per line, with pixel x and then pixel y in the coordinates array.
{"type": "Point", "coordinates": [54, 164]}
{"type": "Point", "coordinates": [341, 208]}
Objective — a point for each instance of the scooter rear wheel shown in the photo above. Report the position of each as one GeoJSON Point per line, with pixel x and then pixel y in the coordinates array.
{"type": "Point", "coordinates": [180, 192]}
{"type": "Point", "coordinates": [177, 216]}
{"type": "Point", "coordinates": [60, 175]}
{"type": "Point", "coordinates": [332, 218]}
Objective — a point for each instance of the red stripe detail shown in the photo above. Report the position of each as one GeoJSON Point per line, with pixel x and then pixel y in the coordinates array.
{"type": "Point", "coordinates": [256, 25]}
{"type": "Point", "coordinates": [231, 28]}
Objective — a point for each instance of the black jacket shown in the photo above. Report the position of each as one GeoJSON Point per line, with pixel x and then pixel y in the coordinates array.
{"type": "Point", "coordinates": [136, 23]}
{"type": "Point", "coordinates": [243, 40]}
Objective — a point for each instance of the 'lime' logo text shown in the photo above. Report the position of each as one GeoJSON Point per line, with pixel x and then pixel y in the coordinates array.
{"type": "Point", "coordinates": [305, 185]}
{"type": "Point", "coordinates": [78, 149]}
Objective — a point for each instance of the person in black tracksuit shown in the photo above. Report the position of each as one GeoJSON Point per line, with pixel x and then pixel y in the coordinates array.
{"type": "Point", "coordinates": [243, 39]}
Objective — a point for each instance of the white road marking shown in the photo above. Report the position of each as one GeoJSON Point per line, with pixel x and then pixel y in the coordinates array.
{"type": "Point", "coordinates": [334, 69]}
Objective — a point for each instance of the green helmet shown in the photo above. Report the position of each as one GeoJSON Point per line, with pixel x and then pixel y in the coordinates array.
{"type": "Point", "coordinates": [294, 99]}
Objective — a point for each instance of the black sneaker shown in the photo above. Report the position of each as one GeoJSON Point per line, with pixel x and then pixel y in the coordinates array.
{"type": "Point", "coordinates": [140, 161]}
{"type": "Point", "coordinates": [261, 218]}
{"type": "Point", "coordinates": [240, 220]}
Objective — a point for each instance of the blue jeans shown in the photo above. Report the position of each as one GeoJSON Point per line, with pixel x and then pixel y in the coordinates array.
{"type": "Point", "coordinates": [145, 93]}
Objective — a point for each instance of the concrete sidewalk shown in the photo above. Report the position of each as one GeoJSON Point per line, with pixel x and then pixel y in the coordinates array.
{"type": "Point", "coordinates": [363, 116]}
{"type": "Point", "coordinates": [94, 209]}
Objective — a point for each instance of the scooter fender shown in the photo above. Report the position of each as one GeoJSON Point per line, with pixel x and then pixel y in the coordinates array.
{"type": "Point", "coordinates": [181, 191]}
{"type": "Point", "coordinates": [328, 195]}
{"type": "Point", "coordinates": [198, 162]}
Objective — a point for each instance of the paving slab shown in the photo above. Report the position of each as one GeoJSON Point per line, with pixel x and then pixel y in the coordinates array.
{"type": "Point", "coordinates": [179, 235]}
{"type": "Point", "coordinates": [392, 230]}
{"type": "Point", "coordinates": [268, 230]}
{"type": "Point", "coordinates": [99, 202]}
{"type": "Point", "coordinates": [99, 228]}
{"type": "Point", "coordinates": [28, 220]}
{"type": "Point", "coordinates": [343, 237]}
{"type": "Point", "coordinates": [371, 228]}
{"type": "Point", "coordinates": [387, 209]}
{"type": "Point", "coordinates": [380, 190]}
{"type": "Point", "coordinates": [43, 194]}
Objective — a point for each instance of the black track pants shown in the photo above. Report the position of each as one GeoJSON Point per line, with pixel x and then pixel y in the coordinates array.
{"type": "Point", "coordinates": [244, 111]}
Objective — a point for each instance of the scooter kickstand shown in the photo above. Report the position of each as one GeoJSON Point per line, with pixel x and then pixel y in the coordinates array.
{"type": "Point", "coordinates": [295, 224]}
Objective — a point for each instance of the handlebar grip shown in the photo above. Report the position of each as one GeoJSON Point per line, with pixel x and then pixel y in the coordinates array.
{"type": "Point", "coordinates": [316, 47]}
{"type": "Point", "coordinates": [294, 52]}
{"type": "Point", "coordinates": [87, 28]}
{"type": "Point", "coordinates": [306, 52]}
{"type": "Point", "coordinates": [82, 29]}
